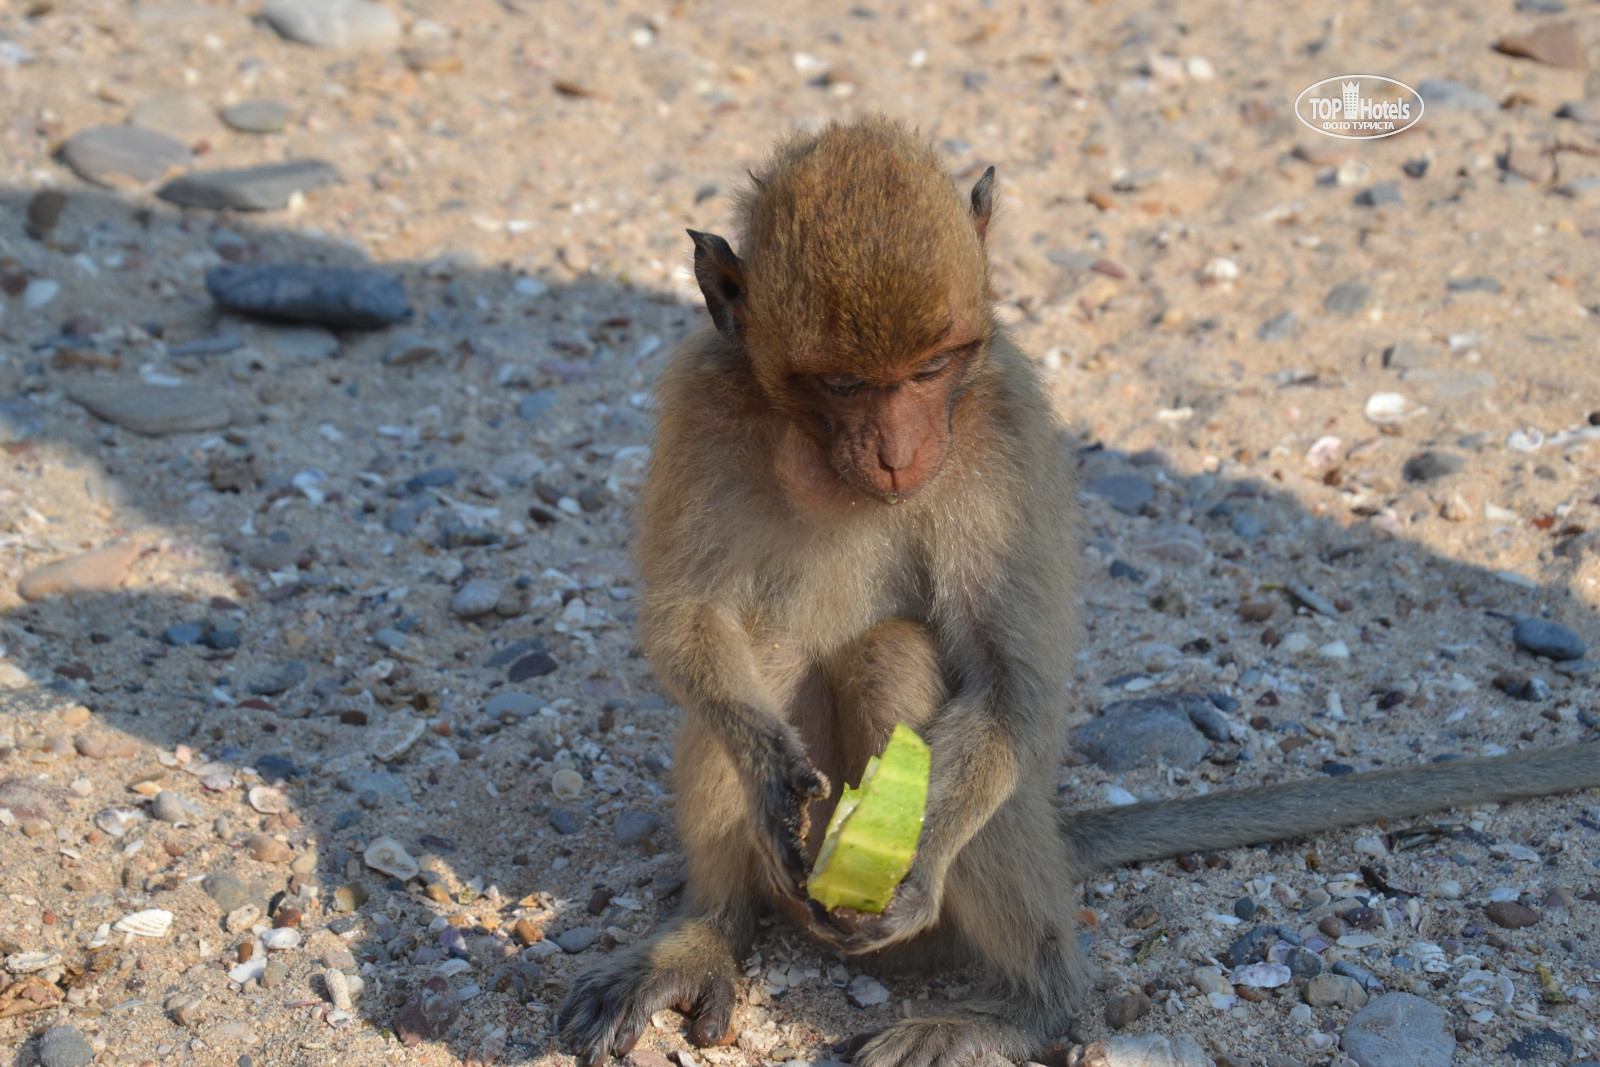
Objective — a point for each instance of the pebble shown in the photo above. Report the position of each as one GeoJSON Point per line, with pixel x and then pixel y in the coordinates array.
{"type": "Point", "coordinates": [64, 1046]}
{"type": "Point", "coordinates": [1247, 526]}
{"type": "Point", "coordinates": [1400, 1030]}
{"type": "Point", "coordinates": [1542, 7]}
{"type": "Point", "coordinates": [477, 597]}
{"type": "Point", "coordinates": [1128, 493]}
{"type": "Point", "coordinates": [123, 155]}
{"type": "Point", "coordinates": [389, 856]}
{"type": "Point", "coordinates": [865, 991]}
{"type": "Point", "coordinates": [1276, 328]}
{"type": "Point", "coordinates": [1550, 639]}
{"type": "Point", "coordinates": [1555, 44]}
{"type": "Point", "coordinates": [1124, 1011]}
{"type": "Point", "coordinates": [536, 404]}
{"type": "Point", "coordinates": [565, 822]}
{"type": "Point", "coordinates": [1540, 1044]}
{"type": "Point", "coordinates": [1146, 731]}
{"type": "Point", "coordinates": [1347, 299]}
{"type": "Point", "coordinates": [274, 679]}
{"type": "Point", "coordinates": [513, 704]}
{"type": "Point", "coordinates": [1477, 283]}
{"type": "Point", "coordinates": [1428, 466]}
{"type": "Point", "coordinates": [40, 292]}
{"type": "Point", "coordinates": [1146, 1050]}
{"type": "Point", "coordinates": [1174, 542]}
{"type": "Point", "coordinates": [533, 665]}
{"type": "Point", "coordinates": [1334, 990]}
{"type": "Point", "coordinates": [1579, 188]}
{"type": "Point", "coordinates": [264, 188]}
{"type": "Point", "coordinates": [1380, 195]}
{"type": "Point", "coordinates": [409, 349]}
{"type": "Point", "coordinates": [169, 807]}
{"type": "Point", "coordinates": [1511, 915]}
{"type": "Point", "coordinates": [428, 1013]}
{"type": "Point", "coordinates": [577, 939]}
{"type": "Point", "coordinates": [333, 23]}
{"type": "Point", "coordinates": [19, 420]}
{"type": "Point", "coordinates": [337, 297]}
{"type": "Point", "coordinates": [97, 571]}
{"type": "Point", "coordinates": [1452, 95]}
{"type": "Point", "coordinates": [636, 827]}
{"type": "Point", "coordinates": [256, 116]}
{"type": "Point", "coordinates": [1580, 111]}
{"type": "Point", "coordinates": [267, 849]}
{"type": "Point", "coordinates": [152, 410]}
{"type": "Point", "coordinates": [179, 114]}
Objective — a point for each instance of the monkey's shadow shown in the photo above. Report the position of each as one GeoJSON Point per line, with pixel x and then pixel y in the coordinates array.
{"type": "Point", "coordinates": [109, 652]}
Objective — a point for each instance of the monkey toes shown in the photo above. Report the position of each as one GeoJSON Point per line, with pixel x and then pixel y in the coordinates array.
{"type": "Point", "coordinates": [948, 1042]}
{"type": "Point", "coordinates": [610, 1005]}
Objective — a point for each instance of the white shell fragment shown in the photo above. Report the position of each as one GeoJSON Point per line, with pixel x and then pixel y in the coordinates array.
{"type": "Point", "coordinates": [386, 854]}
{"type": "Point", "coordinates": [269, 800]}
{"type": "Point", "coordinates": [28, 962]}
{"type": "Point", "coordinates": [567, 784]}
{"type": "Point", "coordinates": [254, 967]}
{"type": "Point", "coordinates": [118, 821]}
{"type": "Point", "coordinates": [154, 922]}
{"type": "Point", "coordinates": [1384, 408]}
{"type": "Point", "coordinates": [1262, 976]}
{"type": "Point", "coordinates": [281, 939]}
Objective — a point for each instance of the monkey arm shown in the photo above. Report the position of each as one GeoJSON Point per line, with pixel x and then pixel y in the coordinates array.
{"type": "Point", "coordinates": [1109, 837]}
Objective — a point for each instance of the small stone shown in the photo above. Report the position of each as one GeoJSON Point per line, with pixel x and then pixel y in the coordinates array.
{"type": "Point", "coordinates": [264, 188]}
{"type": "Point", "coordinates": [1380, 195]}
{"type": "Point", "coordinates": [256, 116]}
{"type": "Point", "coordinates": [1276, 328]}
{"type": "Point", "coordinates": [1542, 7]}
{"type": "Point", "coordinates": [39, 292]}
{"type": "Point", "coordinates": [428, 1013]}
{"type": "Point", "coordinates": [333, 23]}
{"type": "Point", "coordinates": [1256, 610]}
{"type": "Point", "coordinates": [1347, 299]}
{"type": "Point", "coordinates": [409, 349]}
{"type": "Point", "coordinates": [123, 155]}
{"type": "Point", "coordinates": [1245, 908]}
{"type": "Point", "coordinates": [1477, 283]}
{"type": "Point", "coordinates": [1580, 111]}
{"type": "Point", "coordinates": [564, 822]}
{"type": "Point", "coordinates": [1146, 1050]}
{"type": "Point", "coordinates": [1452, 95]}
{"type": "Point", "coordinates": [1540, 1044]}
{"type": "Point", "coordinates": [1334, 990]}
{"type": "Point", "coordinates": [1555, 44]}
{"type": "Point", "coordinates": [1579, 188]}
{"type": "Point", "coordinates": [64, 1046]}
{"type": "Point", "coordinates": [98, 571]}
{"type": "Point", "coordinates": [1549, 639]}
{"type": "Point", "coordinates": [336, 297]}
{"type": "Point", "coordinates": [179, 114]}
{"type": "Point", "coordinates": [1402, 355]}
{"type": "Point", "coordinates": [271, 680]}
{"type": "Point", "coordinates": [1128, 493]}
{"type": "Point", "coordinates": [19, 420]}
{"type": "Point", "coordinates": [865, 991]}
{"type": "Point", "coordinates": [169, 807]}
{"type": "Point", "coordinates": [577, 939]}
{"type": "Point", "coordinates": [1400, 1030]}
{"type": "Point", "coordinates": [1174, 542]}
{"type": "Point", "coordinates": [184, 633]}
{"type": "Point", "coordinates": [1511, 915]}
{"type": "Point", "coordinates": [227, 891]}
{"type": "Point", "coordinates": [1147, 731]}
{"type": "Point", "coordinates": [1247, 527]}
{"type": "Point", "coordinates": [152, 410]}
{"type": "Point", "coordinates": [242, 918]}
{"type": "Point", "coordinates": [533, 665]}
{"type": "Point", "coordinates": [636, 827]}
{"type": "Point", "coordinates": [1428, 466]}
{"type": "Point", "coordinates": [512, 704]}
{"type": "Point", "coordinates": [1124, 1011]}
{"type": "Point", "coordinates": [267, 849]}
{"type": "Point", "coordinates": [477, 597]}
{"type": "Point", "coordinates": [44, 211]}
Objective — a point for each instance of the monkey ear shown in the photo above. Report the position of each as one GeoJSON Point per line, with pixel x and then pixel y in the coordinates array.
{"type": "Point", "coordinates": [721, 278]}
{"type": "Point", "coordinates": [983, 203]}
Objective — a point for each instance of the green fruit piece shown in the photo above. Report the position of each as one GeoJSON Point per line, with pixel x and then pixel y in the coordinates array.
{"type": "Point", "coordinates": [873, 833]}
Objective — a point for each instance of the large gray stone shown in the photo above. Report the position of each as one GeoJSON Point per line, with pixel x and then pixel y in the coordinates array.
{"type": "Point", "coordinates": [333, 23]}
{"type": "Point", "coordinates": [256, 116]}
{"type": "Point", "coordinates": [1400, 1030]}
{"type": "Point", "coordinates": [64, 1046]}
{"type": "Point", "coordinates": [123, 155]}
{"type": "Point", "coordinates": [264, 188]}
{"type": "Point", "coordinates": [1148, 731]}
{"type": "Point", "coordinates": [152, 410]}
{"type": "Point", "coordinates": [179, 114]}
{"type": "Point", "coordinates": [1452, 95]}
{"type": "Point", "coordinates": [1545, 638]}
{"type": "Point", "coordinates": [337, 297]}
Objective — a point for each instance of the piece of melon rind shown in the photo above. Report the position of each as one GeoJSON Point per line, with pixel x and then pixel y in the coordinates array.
{"type": "Point", "coordinates": [872, 836]}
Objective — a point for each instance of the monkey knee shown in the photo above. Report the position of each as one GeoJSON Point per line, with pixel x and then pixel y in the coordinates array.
{"type": "Point", "coordinates": [897, 676]}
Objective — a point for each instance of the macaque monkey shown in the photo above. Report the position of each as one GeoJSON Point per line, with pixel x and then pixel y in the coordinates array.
{"type": "Point", "coordinates": [859, 513]}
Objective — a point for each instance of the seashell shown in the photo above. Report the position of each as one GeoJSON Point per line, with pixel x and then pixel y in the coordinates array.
{"type": "Point", "coordinates": [28, 962]}
{"type": "Point", "coordinates": [254, 967]}
{"type": "Point", "coordinates": [1262, 975]}
{"type": "Point", "coordinates": [1384, 408]}
{"type": "Point", "coordinates": [567, 784]}
{"type": "Point", "coordinates": [154, 922]}
{"type": "Point", "coordinates": [117, 821]}
{"type": "Point", "coordinates": [385, 854]}
{"type": "Point", "coordinates": [281, 939]}
{"type": "Point", "coordinates": [217, 783]}
{"type": "Point", "coordinates": [269, 800]}
{"type": "Point", "coordinates": [1529, 440]}
{"type": "Point", "coordinates": [1323, 452]}
{"type": "Point", "coordinates": [1430, 957]}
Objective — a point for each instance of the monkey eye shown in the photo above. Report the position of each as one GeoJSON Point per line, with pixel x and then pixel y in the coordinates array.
{"type": "Point", "coordinates": [842, 384]}
{"type": "Point", "coordinates": [934, 367]}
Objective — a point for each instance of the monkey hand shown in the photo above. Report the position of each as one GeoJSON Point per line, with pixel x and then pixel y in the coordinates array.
{"type": "Point", "coordinates": [912, 910]}
{"type": "Point", "coordinates": [785, 783]}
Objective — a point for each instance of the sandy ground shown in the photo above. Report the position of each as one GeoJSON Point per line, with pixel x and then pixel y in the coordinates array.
{"type": "Point", "coordinates": [527, 168]}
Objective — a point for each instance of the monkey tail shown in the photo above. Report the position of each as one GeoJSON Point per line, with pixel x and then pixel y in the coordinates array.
{"type": "Point", "coordinates": [1104, 838]}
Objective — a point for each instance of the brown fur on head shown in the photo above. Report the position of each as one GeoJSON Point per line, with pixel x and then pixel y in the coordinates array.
{"type": "Point", "coordinates": [859, 298]}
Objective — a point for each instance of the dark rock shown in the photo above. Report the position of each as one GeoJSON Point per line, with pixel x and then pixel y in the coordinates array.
{"type": "Point", "coordinates": [1400, 1030]}
{"type": "Point", "coordinates": [535, 665]}
{"type": "Point", "coordinates": [274, 768]}
{"type": "Point", "coordinates": [1541, 1043]}
{"type": "Point", "coordinates": [1124, 1011]}
{"type": "Point", "coordinates": [64, 1046]}
{"type": "Point", "coordinates": [1426, 466]}
{"type": "Point", "coordinates": [1303, 964]}
{"type": "Point", "coordinates": [1245, 908]}
{"type": "Point", "coordinates": [263, 188]}
{"type": "Point", "coordinates": [428, 1013]}
{"type": "Point", "coordinates": [1128, 493]}
{"type": "Point", "coordinates": [222, 640]}
{"type": "Point", "coordinates": [564, 821]}
{"type": "Point", "coordinates": [1147, 731]}
{"type": "Point", "coordinates": [1511, 915]}
{"type": "Point", "coordinates": [332, 296]}
{"type": "Point", "coordinates": [1119, 569]}
{"type": "Point", "coordinates": [184, 633]}
{"type": "Point", "coordinates": [1384, 193]}
{"type": "Point", "coordinates": [1347, 299]}
{"type": "Point", "coordinates": [636, 827]}
{"type": "Point", "coordinates": [117, 155]}
{"type": "Point", "coordinates": [269, 681]}
{"type": "Point", "coordinates": [1479, 283]}
{"type": "Point", "coordinates": [515, 651]}
{"type": "Point", "coordinates": [1545, 638]}
{"type": "Point", "coordinates": [381, 784]}
{"type": "Point", "coordinates": [1276, 328]}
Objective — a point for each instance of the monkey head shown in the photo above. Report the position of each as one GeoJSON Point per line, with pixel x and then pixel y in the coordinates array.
{"type": "Point", "coordinates": [860, 306]}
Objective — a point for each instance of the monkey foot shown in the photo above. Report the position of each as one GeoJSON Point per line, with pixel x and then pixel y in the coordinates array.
{"type": "Point", "coordinates": [971, 1041]}
{"type": "Point", "coordinates": [610, 1005]}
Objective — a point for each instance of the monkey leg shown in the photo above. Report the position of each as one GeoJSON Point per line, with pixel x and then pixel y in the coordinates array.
{"type": "Point", "coordinates": [690, 962]}
{"type": "Point", "coordinates": [1008, 899]}
{"type": "Point", "coordinates": [893, 677]}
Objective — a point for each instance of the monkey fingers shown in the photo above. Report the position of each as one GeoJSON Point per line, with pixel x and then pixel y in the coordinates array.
{"type": "Point", "coordinates": [909, 913]}
{"type": "Point", "coordinates": [784, 791]}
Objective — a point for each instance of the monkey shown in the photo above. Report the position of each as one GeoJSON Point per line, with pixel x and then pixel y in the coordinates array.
{"type": "Point", "coordinates": [858, 513]}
